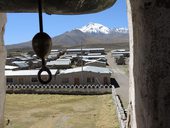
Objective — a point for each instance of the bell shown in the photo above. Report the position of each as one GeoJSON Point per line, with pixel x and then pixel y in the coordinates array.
{"type": "Point", "coordinates": [42, 44]}
{"type": "Point", "coordinates": [56, 6]}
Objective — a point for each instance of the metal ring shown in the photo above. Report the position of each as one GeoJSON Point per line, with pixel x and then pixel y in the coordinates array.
{"type": "Point", "coordinates": [49, 75]}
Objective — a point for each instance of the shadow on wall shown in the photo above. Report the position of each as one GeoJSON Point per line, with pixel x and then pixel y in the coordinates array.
{"type": "Point", "coordinates": [114, 82]}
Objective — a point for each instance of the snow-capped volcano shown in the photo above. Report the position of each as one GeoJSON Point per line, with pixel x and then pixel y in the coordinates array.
{"type": "Point", "coordinates": [101, 29]}
{"type": "Point", "coordinates": [93, 34]}
{"type": "Point", "coordinates": [95, 28]}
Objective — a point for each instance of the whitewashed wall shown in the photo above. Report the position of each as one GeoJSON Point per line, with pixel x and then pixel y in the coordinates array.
{"type": "Point", "coordinates": [149, 30]}
{"type": "Point", "coordinates": [2, 67]}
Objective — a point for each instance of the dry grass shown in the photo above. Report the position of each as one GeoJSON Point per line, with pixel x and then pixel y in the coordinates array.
{"type": "Point", "coordinates": [60, 111]}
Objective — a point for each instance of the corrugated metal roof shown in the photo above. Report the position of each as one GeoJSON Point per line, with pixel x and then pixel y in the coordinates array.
{"type": "Point", "coordinates": [73, 55]}
{"type": "Point", "coordinates": [22, 65]}
{"type": "Point", "coordinates": [87, 69]}
{"type": "Point", "coordinates": [101, 56]}
{"type": "Point", "coordinates": [94, 54]}
{"type": "Point", "coordinates": [9, 67]}
{"type": "Point", "coordinates": [60, 62]}
{"type": "Point", "coordinates": [22, 58]}
{"type": "Point", "coordinates": [96, 61]}
{"type": "Point", "coordinates": [93, 60]}
{"type": "Point", "coordinates": [84, 49]}
{"type": "Point", "coordinates": [89, 60]}
{"type": "Point", "coordinates": [16, 62]}
{"type": "Point", "coordinates": [26, 72]}
{"type": "Point", "coordinates": [36, 61]}
{"type": "Point", "coordinates": [54, 50]}
{"type": "Point", "coordinates": [119, 50]}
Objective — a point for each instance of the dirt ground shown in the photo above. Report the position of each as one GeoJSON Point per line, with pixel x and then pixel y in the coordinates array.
{"type": "Point", "coordinates": [60, 111]}
{"type": "Point", "coordinates": [120, 73]}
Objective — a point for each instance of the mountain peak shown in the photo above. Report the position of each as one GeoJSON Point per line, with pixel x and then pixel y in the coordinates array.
{"type": "Point", "coordinates": [95, 28]}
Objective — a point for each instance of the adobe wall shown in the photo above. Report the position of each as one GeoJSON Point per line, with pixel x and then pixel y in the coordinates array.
{"type": "Point", "coordinates": [149, 27]}
{"type": "Point", "coordinates": [2, 67]}
{"type": "Point", "coordinates": [83, 77]}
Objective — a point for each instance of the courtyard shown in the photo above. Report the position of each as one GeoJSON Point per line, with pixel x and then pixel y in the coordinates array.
{"type": "Point", "coordinates": [60, 111]}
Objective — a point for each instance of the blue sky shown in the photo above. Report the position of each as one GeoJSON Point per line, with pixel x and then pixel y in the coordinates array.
{"type": "Point", "coordinates": [22, 27]}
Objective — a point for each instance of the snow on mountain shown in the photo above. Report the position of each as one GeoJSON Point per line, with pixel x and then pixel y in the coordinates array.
{"type": "Point", "coordinates": [101, 29]}
{"type": "Point", "coordinates": [95, 28]}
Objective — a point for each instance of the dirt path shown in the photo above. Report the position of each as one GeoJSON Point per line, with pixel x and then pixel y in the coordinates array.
{"type": "Point", "coordinates": [122, 79]}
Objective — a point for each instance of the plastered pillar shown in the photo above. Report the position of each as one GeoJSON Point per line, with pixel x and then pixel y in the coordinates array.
{"type": "Point", "coordinates": [131, 118]}
{"type": "Point", "coordinates": [149, 27]}
{"type": "Point", "coordinates": [2, 68]}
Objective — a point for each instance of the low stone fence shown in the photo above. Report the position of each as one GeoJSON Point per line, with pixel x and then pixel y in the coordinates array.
{"type": "Point", "coordinates": [122, 117]}
{"type": "Point", "coordinates": [60, 89]}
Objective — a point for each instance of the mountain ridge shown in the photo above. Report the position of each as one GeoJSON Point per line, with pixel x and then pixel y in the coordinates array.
{"type": "Point", "coordinates": [92, 33]}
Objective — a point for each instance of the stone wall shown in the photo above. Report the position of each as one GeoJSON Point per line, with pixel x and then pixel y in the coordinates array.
{"type": "Point", "coordinates": [2, 67]}
{"type": "Point", "coordinates": [60, 89]}
{"type": "Point", "coordinates": [121, 113]}
{"type": "Point", "coordinates": [149, 27]}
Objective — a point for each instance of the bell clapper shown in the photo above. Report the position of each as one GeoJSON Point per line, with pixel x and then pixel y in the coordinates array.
{"type": "Point", "coordinates": [42, 44]}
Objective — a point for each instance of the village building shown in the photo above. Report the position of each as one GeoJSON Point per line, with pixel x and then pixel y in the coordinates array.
{"type": "Point", "coordinates": [94, 57]}
{"type": "Point", "coordinates": [35, 64]}
{"type": "Point", "coordinates": [75, 76]}
{"type": "Point", "coordinates": [82, 61]}
{"type": "Point", "coordinates": [29, 58]}
{"type": "Point", "coordinates": [55, 51]}
{"type": "Point", "coordinates": [21, 58]}
{"type": "Point", "coordinates": [96, 63]}
{"type": "Point", "coordinates": [85, 51]}
{"type": "Point", "coordinates": [59, 64]}
{"type": "Point", "coordinates": [9, 67]}
{"type": "Point", "coordinates": [28, 55]}
{"type": "Point", "coordinates": [102, 60]}
{"type": "Point", "coordinates": [120, 56]}
{"type": "Point", "coordinates": [9, 60]}
{"type": "Point", "coordinates": [69, 56]}
{"type": "Point", "coordinates": [27, 77]}
{"type": "Point", "coordinates": [78, 55]}
{"type": "Point", "coordinates": [52, 57]}
{"type": "Point", "coordinates": [23, 65]}
{"type": "Point", "coordinates": [84, 75]}
{"type": "Point", "coordinates": [120, 52]}
{"type": "Point", "coordinates": [94, 54]}
{"type": "Point", "coordinates": [54, 54]}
